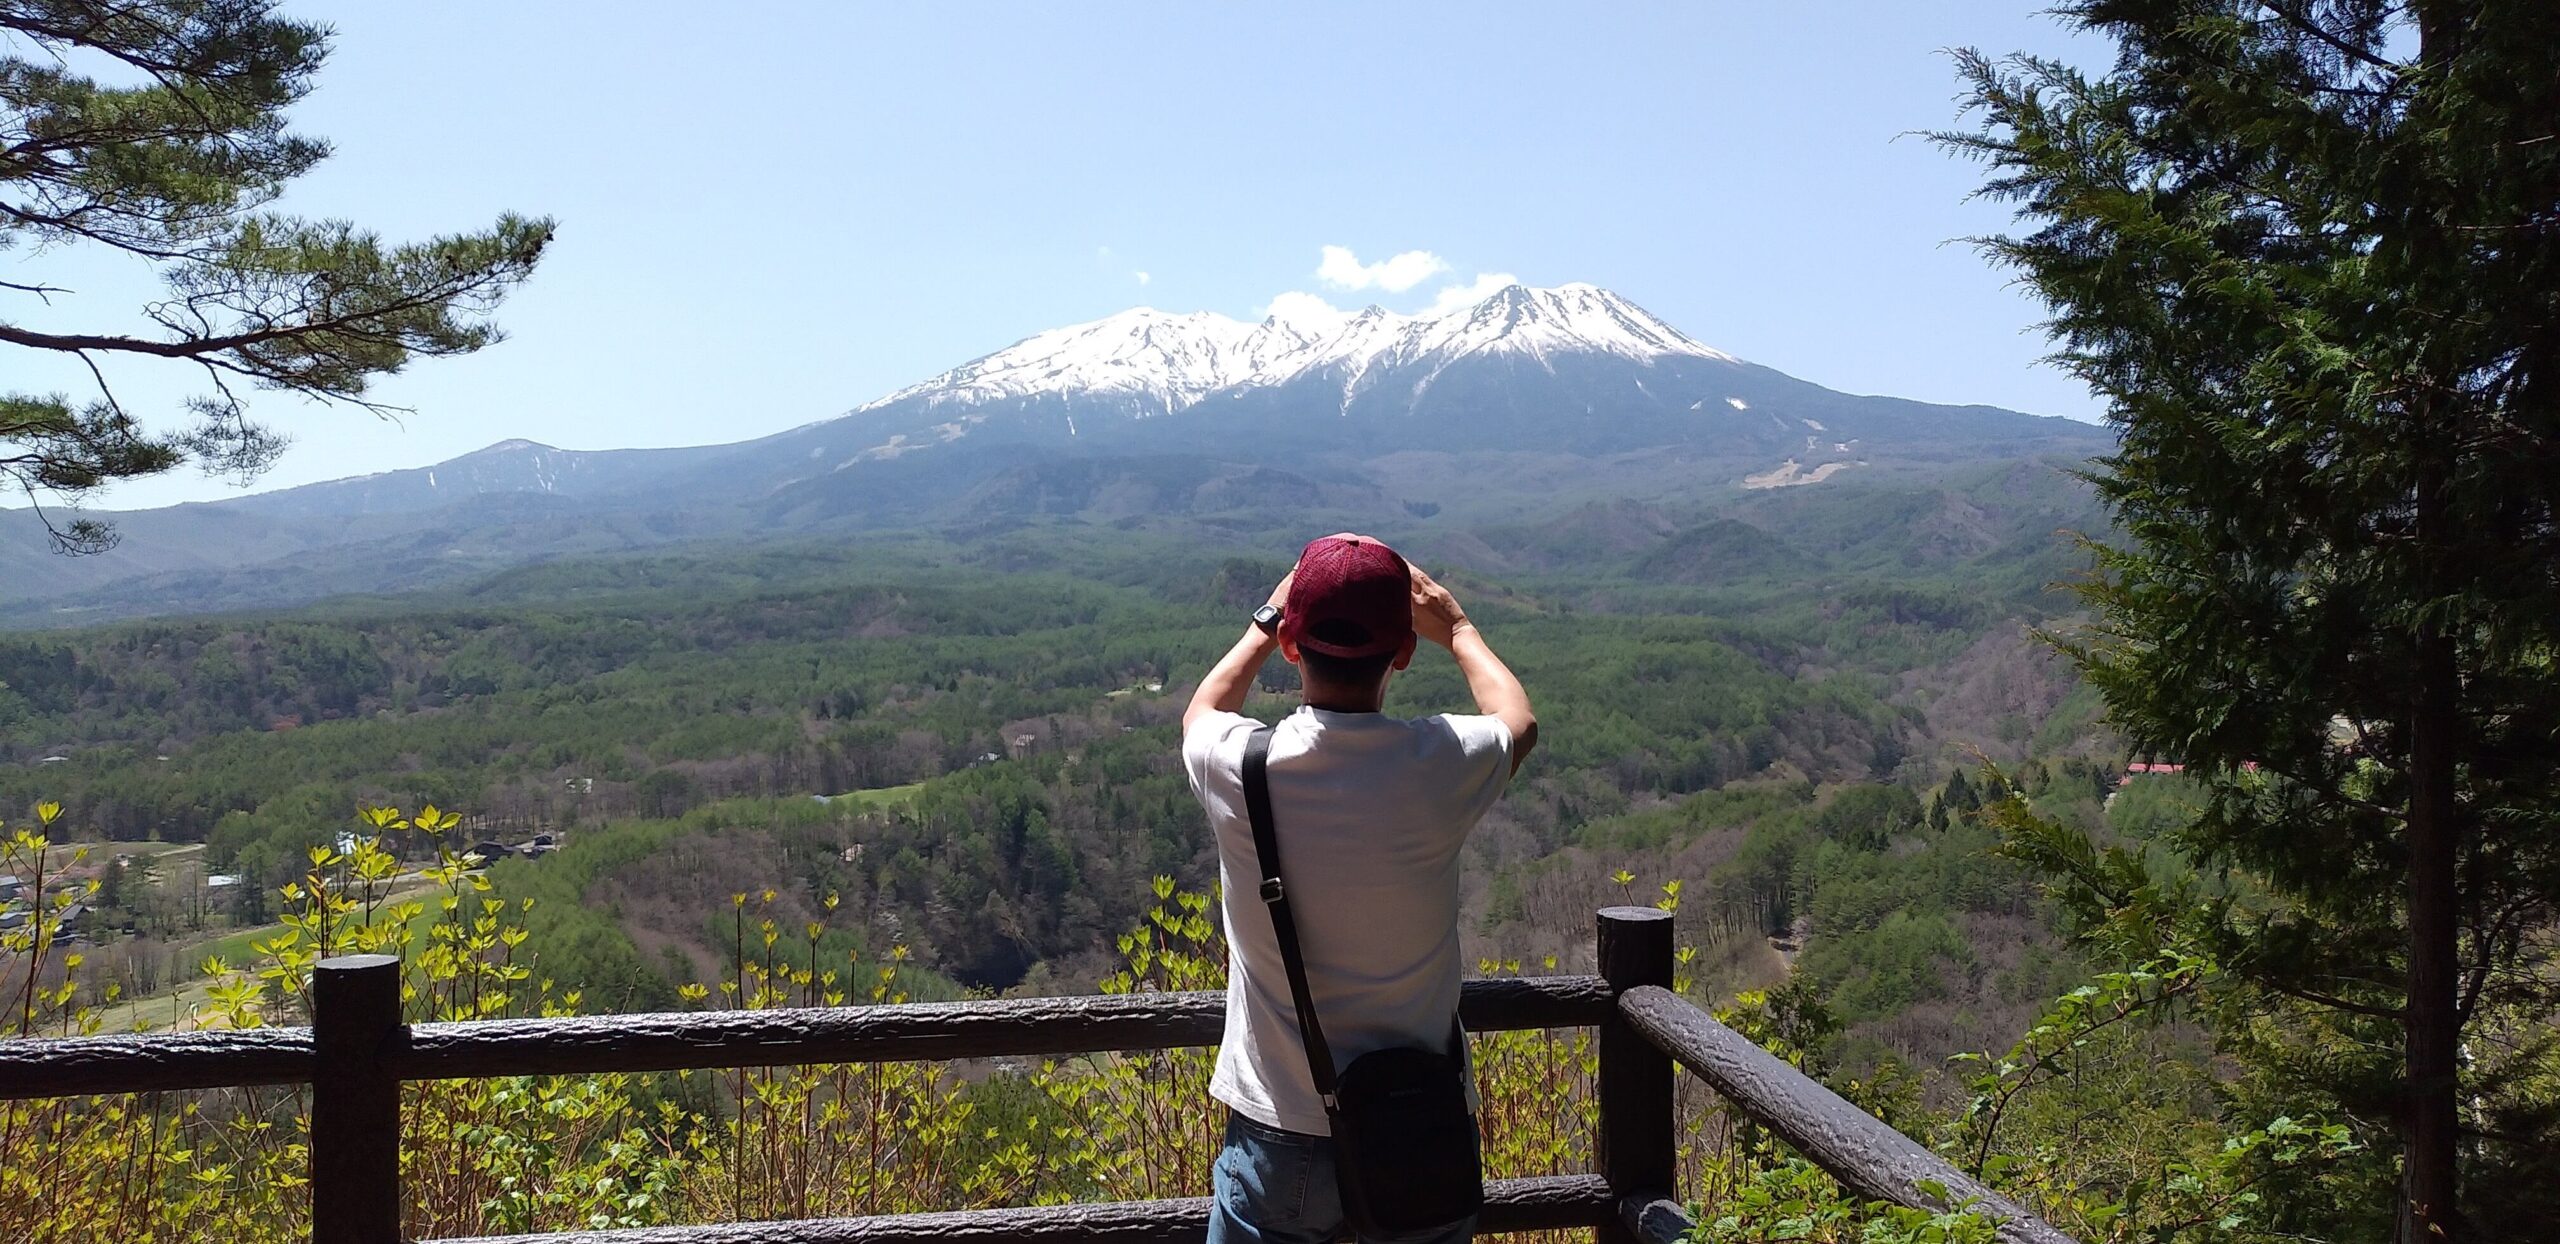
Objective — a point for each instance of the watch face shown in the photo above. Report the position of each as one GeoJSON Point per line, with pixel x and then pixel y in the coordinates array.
{"type": "Point", "coordinates": [1267, 617]}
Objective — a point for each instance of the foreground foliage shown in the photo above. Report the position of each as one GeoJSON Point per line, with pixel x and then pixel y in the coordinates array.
{"type": "Point", "coordinates": [552, 1153]}
{"type": "Point", "coordinates": [523, 1154]}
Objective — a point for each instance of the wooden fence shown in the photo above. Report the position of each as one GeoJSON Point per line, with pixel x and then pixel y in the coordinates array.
{"type": "Point", "coordinates": [357, 1052]}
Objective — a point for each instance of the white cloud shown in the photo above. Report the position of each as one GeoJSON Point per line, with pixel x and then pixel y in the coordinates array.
{"type": "Point", "coordinates": [1394, 274]}
{"type": "Point", "coordinates": [1143, 277]}
{"type": "Point", "coordinates": [1460, 297]}
{"type": "Point", "coordinates": [1309, 311]}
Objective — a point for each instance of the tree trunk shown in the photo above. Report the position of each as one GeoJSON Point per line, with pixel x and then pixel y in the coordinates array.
{"type": "Point", "coordinates": [2429, 1120]}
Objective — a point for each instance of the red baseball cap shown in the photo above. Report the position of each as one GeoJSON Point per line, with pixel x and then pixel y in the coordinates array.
{"type": "Point", "coordinates": [1351, 597]}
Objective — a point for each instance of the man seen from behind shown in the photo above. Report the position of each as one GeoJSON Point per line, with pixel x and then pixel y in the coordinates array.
{"type": "Point", "coordinates": [1370, 812]}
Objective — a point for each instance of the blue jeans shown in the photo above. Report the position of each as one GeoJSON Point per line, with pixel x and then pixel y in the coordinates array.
{"type": "Point", "coordinates": [1276, 1187]}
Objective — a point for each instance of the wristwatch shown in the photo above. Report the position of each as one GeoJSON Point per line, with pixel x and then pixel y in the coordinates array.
{"type": "Point", "coordinates": [1268, 618]}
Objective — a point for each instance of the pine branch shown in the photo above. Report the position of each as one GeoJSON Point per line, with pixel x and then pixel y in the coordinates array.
{"type": "Point", "coordinates": [2302, 23]}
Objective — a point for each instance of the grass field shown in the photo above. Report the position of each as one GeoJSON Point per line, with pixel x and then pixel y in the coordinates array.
{"type": "Point", "coordinates": [180, 1005]}
{"type": "Point", "coordinates": [878, 798]}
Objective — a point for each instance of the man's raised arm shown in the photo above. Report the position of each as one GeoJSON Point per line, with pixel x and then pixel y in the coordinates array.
{"type": "Point", "coordinates": [1223, 688]}
{"type": "Point", "coordinates": [1438, 618]}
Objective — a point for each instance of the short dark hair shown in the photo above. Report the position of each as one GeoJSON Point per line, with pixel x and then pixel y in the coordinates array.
{"type": "Point", "coordinates": [1344, 671]}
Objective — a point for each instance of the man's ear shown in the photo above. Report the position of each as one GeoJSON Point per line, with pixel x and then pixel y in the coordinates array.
{"type": "Point", "coordinates": [1404, 655]}
{"type": "Point", "coordinates": [1288, 650]}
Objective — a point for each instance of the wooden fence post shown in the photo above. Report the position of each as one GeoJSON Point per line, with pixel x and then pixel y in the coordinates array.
{"type": "Point", "coordinates": [1637, 1156]}
{"type": "Point", "coordinates": [355, 1101]}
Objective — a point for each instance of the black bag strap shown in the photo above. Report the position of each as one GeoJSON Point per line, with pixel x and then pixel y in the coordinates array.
{"type": "Point", "coordinates": [1275, 896]}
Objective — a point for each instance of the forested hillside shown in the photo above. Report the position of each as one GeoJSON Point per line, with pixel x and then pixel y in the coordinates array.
{"type": "Point", "coordinates": [971, 742]}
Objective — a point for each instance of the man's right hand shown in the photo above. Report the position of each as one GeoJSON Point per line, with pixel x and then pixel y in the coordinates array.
{"type": "Point", "coordinates": [1438, 618]}
{"type": "Point", "coordinates": [1436, 614]}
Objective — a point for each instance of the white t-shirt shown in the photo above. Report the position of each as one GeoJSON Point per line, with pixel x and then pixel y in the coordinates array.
{"type": "Point", "coordinates": [1369, 812]}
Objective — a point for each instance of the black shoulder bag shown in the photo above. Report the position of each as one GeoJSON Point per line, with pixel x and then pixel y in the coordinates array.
{"type": "Point", "coordinates": [1405, 1149]}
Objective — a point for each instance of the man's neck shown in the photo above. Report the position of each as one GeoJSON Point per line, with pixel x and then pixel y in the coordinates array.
{"type": "Point", "coordinates": [1334, 701]}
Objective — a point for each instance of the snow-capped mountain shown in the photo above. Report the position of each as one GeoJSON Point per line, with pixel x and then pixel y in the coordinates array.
{"type": "Point", "coordinates": [1533, 360]}
{"type": "Point", "coordinates": [1524, 398]}
{"type": "Point", "coordinates": [1174, 361]}
{"type": "Point", "coordinates": [1574, 369]}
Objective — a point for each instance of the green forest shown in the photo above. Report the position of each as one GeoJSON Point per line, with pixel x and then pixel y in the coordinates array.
{"type": "Point", "coordinates": [998, 742]}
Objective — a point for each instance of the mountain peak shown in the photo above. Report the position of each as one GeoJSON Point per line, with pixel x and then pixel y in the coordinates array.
{"type": "Point", "coordinates": [1167, 361]}
{"type": "Point", "coordinates": [1303, 314]}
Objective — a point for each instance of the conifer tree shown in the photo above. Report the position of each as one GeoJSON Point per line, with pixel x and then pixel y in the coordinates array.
{"type": "Point", "coordinates": [2310, 253]}
{"type": "Point", "coordinates": [173, 156]}
{"type": "Point", "coordinates": [1959, 796]}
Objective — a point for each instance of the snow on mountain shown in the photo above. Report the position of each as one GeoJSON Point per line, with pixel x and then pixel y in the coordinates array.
{"type": "Point", "coordinates": [1569, 319]}
{"type": "Point", "coordinates": [1165, 362]}
{"type": "Point", "coordinates": [1165, 358]}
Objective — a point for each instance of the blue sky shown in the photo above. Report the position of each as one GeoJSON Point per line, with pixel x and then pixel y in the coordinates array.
{"type": "Point", "coordinates": [767, 222]}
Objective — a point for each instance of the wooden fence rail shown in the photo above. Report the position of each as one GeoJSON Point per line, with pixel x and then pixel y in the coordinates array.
{"type": "Point", "coordinates": [913, 1032]}
{"type": "Point", "coordinates": [357, 1053]}
{"type": "Point", "coordinates": [154, 1063]}
{"type": "Point", "coordinates": [694, 1040]}
{"type": "Point", "coordinates": [1856, 1148]}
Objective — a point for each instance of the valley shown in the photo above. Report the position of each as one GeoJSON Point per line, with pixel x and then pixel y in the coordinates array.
{"type": "Point", "coordinates": [967, 740]}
